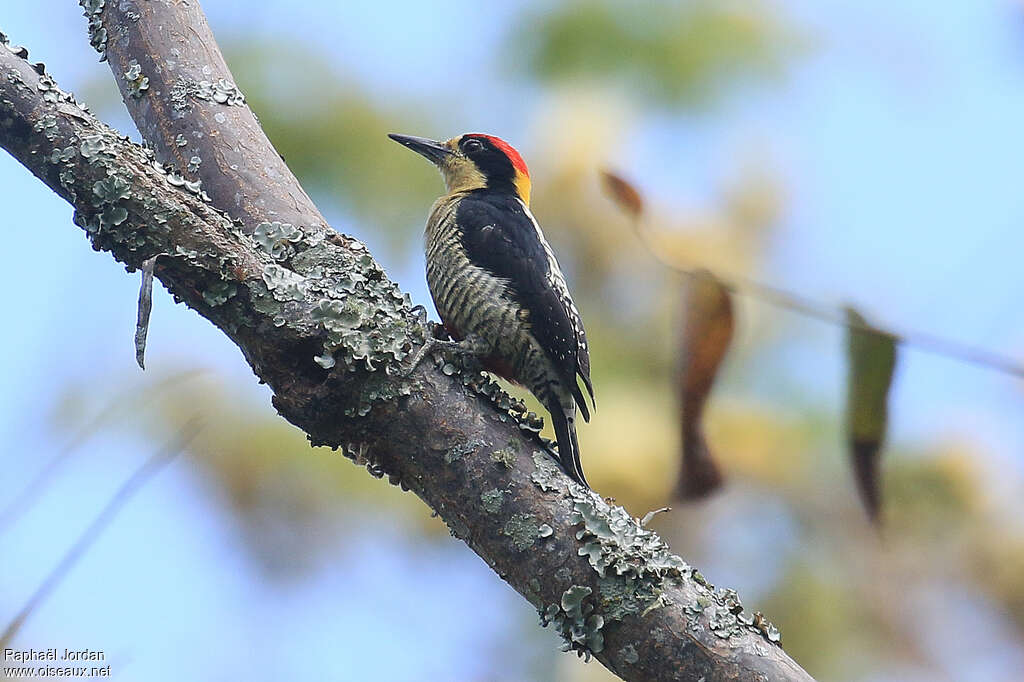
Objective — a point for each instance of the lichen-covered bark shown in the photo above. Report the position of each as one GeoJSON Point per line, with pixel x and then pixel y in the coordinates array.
{"type": "Point", "coordinates": [318, 320]}
{"type": "Point", "coordinates": [184, 101]}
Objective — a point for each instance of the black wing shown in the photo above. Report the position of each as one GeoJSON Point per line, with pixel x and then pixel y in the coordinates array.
{"type": "Point", "coordinates": [501, 237]}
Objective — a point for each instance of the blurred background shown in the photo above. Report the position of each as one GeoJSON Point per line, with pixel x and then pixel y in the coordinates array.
{"type": "Point", "coordinates": [863, 153]}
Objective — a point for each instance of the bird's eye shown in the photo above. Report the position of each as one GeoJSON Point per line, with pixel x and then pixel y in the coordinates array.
{"type": "Point", "coordinates": [472, 146]}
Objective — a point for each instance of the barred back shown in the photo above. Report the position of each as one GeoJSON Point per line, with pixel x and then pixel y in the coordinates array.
{"type": "Point", "coordinates": [471, 300]}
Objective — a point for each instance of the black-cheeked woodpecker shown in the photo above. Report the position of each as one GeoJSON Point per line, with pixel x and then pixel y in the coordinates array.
{"type": "Point", "coordinates": [496, 284]}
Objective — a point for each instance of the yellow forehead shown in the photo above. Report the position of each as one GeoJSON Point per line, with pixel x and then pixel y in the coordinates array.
{"type": "Point", "coordinates": [461, 174]}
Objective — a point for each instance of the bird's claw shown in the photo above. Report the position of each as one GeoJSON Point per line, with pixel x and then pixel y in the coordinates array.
{"type": "Point", "coordinates": [472, 346]}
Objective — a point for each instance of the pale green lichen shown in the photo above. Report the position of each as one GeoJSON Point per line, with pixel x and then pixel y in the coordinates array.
{"type": "Point", "coordinates": [492, 500]}
{"type": "Point", "coordinates": [136, 83]}
{"type": "Point", "coordinates": [93, 10]}
{"type": "Point", "coordinates": [326, 360]}
{"type": "Point", "coordinates": [113, 216]}
{"type": "Point", "coordinates": [278, 239]}
{"type": "Point", "coordinates": [635, 566]}
{"type": "Point", "coordinates": [52, 94]}
{"type": "Point", "coordinates": [457, 452]}
{"type": "Point", "coordinates": [336, 316]}
{"type": "Point", "coordinates": [107, 194]}
{"type": "Point", "coordinates": [619, 598]}
{"type": "Point", "coordinates": [47, 125]}
{"type": "Point", "coordinates": [175, 179]}
{"type": "Point", "coordinates": [467, 368]}
{"type": "Point", "coordinates": [14, 49]}
{"type": "Point", "coordinates": [59, 155]}
{"type": "Point", "coordinates": [283, 284]}
{"type": "Point", "coordinates": [93, 148]}
{"type": "Point", "coordinates": [576, 622]}
{"type": "Point", "coordinates": [111, 190]}
{"type": "Point", "coordinates": [67, 181]}
{"type": "Point", "coordinates": [221, 91]}
{"type": "Point", "coordinates": [766, 628]}
{"type": "Point", "coordinates": [727, 617]}
{"type": "Point", "coordinates": [725, 614]}
{"type": "Point", "coordinates": [614, 542]}
{"type": "Point", "coordinates": [379, 387]}
{"type": "Point", "coordinates": [505, 457]}
{"type": "Point", "coordinates": [547, 474]}
{"type": "Point", "coordinates": [362, 313]}
{"type": "Point", "coordinates": [522, 528]}
{"type": "Point", "coordinates": [219, 292]}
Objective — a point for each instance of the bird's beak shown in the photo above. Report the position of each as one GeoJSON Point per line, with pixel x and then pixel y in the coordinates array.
{"type": "Point", "coordinates": [435, 151]}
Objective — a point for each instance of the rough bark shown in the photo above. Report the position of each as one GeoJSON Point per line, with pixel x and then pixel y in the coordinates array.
{"type": "Point", "coordinates": [318, 320]}
{"type": "Point", "coordinates": [194, 116]}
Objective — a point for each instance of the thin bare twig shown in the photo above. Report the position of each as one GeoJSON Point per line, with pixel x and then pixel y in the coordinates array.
{"type": "Point", "coordinates": [22, 501]}
{"type": "Point", "coordinates": [808, 307]}
{"type": "Point", "coordinates": [134, 482]}
{"type": "Point", "coordinates": [145, 308]}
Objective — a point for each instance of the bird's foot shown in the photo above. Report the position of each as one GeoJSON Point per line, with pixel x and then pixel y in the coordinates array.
{"type": "Point", "coordinates": [471, 346]}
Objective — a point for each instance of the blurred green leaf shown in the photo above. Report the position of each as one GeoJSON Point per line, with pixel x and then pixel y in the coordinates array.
{"type": "Point", "coordinates": [333, 135]}
{"type": "Point", "coordinates": [871, 361]}
{"type": "Point", "coordinates": [675, 54]}
{"type": "Point", "coordinates": [931, 497]}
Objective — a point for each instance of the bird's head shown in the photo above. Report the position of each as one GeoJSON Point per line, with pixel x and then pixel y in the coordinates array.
{"type": "Point", "coordinates": [474, 161]}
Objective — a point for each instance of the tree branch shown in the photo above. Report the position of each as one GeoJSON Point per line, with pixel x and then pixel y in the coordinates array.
{"type": "Point", "coordinates": [183, 99]}
{"type": "Point", "coordinates": [318, 320]}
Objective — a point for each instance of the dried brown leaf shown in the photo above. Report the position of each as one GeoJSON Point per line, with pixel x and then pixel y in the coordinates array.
{"type": "Point", "coordinates": [705, 337]}
{"type": "Point", "coordinates": [623, 193]}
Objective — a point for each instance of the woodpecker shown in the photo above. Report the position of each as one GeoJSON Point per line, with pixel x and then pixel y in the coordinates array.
{"type": "Point", "coordinates": [496, 284]}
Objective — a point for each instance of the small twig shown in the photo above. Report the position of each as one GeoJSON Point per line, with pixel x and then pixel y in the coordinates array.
{"type": "Point", "coordinates": [145, 308]}
{"type": "Point", "coordinates": [23, 500]}
{"type": "Point", "coordinates": [151, 466]}
{"type": "Point", "coordinates": [651, 514]}
{"type": "Point", "coordinates": [807, 307]}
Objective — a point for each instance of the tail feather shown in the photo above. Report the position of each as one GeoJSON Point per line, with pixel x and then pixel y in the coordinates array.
{"type": "Point", "coordinates": [568, 447]}
{"type": "Point", "coordinates": [577, 395]}
{"type": "Point", "coordinates": [584, 373]}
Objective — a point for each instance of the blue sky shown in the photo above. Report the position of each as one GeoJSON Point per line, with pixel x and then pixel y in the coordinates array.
{"type": "Point", "coordinates": [899, 141]}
